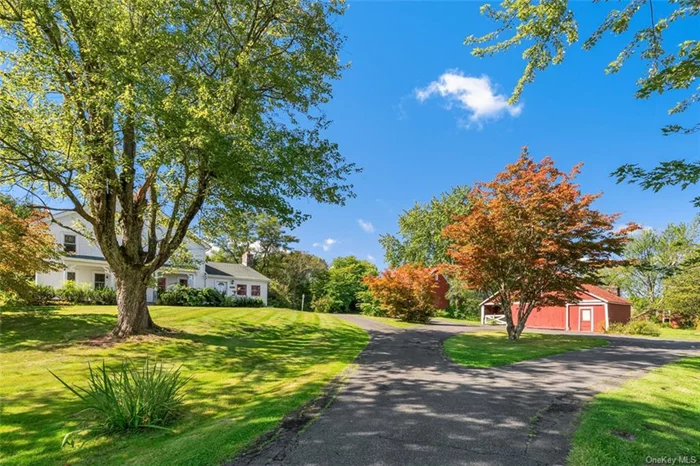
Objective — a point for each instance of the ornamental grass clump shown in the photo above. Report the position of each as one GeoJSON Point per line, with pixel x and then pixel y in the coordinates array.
{"type": "Point", "coordinates": [130, 397]}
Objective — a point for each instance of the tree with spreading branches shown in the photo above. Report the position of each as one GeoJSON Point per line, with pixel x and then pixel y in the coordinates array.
{"type": "Point", "coordinates": [144, 115]}
{"type": "Point", "coordinates": [532, 239]}
{"type": "Point", "coordinates": [544, 30]}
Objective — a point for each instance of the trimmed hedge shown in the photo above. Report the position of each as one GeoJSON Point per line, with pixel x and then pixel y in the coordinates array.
{"type": "Point", "coordinates": [178, 295]}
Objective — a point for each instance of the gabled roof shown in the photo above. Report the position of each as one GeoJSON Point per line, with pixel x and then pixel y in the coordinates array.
{"type": "Point", "coordinates": [605, 295]}
{"type": "Point", "coordinates": [239, 271]}
{"type": "Point", "coordinates": [592, 290]}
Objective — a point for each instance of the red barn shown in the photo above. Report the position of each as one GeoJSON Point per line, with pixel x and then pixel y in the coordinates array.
{"type": "Point", "coordinates": [594, 311]}
{"type": "Point", "coordinates": [440, 301]}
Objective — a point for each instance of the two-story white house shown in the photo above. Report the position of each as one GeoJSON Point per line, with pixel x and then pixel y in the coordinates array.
{"type": "Point", "coordinates": [84, 263]}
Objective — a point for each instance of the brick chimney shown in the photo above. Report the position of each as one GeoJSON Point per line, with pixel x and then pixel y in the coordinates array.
{"type": "Point", "coordinates": [247, 259]}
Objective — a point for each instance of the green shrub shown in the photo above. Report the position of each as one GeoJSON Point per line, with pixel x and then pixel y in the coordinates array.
{"type": "Point", "coordinates": [10, 298]}
{"type": "Point", "coordinates": [636, 327]}
{"type": "Point", "coordinates": [178, 295]}
{"type": "Point", "coordinates": [324, 304]}
{"type": "Point", "coordinates": [102, 296]}
{"type": "Point", "coordinates": [41, 294]}
{"type": "Point", "coordinates": [462, 312]}
{"type": "Point", "coordinates": [243, 301]}
{"type": "Point", "coordinates": [74, 293]}
{"type": "Point", "coordinates": [130, 398]}
{"type": "Point", "coordinates": [278, 295]}
{"type": "Point", "coordinates": [369, 305]}
{"type": "Point", "coordinates": [212, 297]}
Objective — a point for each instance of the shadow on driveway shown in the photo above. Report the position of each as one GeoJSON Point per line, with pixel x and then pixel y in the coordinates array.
{"type": "Point", "coordinates": [407, 405]}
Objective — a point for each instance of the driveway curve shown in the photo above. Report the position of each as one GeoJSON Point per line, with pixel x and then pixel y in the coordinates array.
{"type": "Point", "coordinates": [406, 404]}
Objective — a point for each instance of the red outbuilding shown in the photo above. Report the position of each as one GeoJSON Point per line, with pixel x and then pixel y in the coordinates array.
{"type": "Point", "coordinates": [594, 311]}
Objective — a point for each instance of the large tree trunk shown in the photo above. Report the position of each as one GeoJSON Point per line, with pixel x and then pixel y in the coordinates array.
{"type": "Point", "coordinates": [133, 317]}
{"type": "Point", "coordinates": [511, 329]}
{"type": "Point", "coordinates": [515, 331]}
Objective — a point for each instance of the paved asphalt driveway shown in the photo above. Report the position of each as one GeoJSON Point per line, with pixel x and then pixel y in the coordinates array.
{"type": "Point", "coordinates": [407, 405]}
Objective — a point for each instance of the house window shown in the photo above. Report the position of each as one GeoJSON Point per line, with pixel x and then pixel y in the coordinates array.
{"type": "Point", "coordinates": [70, 276]}
{"type": "Point", "coordinates": [69, 243]}
{"type": "Point", "coordinates": [242, 290]}
{"type": "Point", "coordinates": [255, 290]}
{"type": "Point", "coordinates": [183, 282]}
{"type": "Point", "coordinates": [100, 280]}
{"type": "Point", "coordinates": [161, 284]}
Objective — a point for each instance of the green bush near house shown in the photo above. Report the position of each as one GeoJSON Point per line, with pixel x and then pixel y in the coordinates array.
{"type": "Point", "coordinates": [41, 295]}
{"type": "Point", "coordinates": [636, 327]}
{"type": "Point", "coordinates": [178, 295]}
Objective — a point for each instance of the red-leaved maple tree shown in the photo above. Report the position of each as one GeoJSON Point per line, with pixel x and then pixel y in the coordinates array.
{"type": "Point", "coordinates": [532, 239]}
{"type": "Point", "coordinates": [406, 293]}
{"type": "Point", "coordinates": [26, 247]}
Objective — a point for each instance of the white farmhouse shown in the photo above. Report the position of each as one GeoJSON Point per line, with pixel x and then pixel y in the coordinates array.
{"type": "Point", "coordinates": [85, 264]}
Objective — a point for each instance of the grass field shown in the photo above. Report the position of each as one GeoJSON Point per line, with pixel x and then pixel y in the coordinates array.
{"type": "Point", "coordinates": [392, 322]}
{"type": "Point", "coordinates": [654, 416]}
{"type": "Point", "coordinates": [680, 334]}
{"type": "Point", "coordinates": [460, 321]}
{"type": "Point", "coordinates": [250, 367]}
{"type": "Point", "coordinates": [488, 349]}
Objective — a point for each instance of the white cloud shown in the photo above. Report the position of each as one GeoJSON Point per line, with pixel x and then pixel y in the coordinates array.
{"type": "Point", "coordinates": [475, 95]}
{"type": "Point", "coordinates": [367, 226]}
{"type": "Point", "coordinates": [326, 244]}
{"type": "Point", "coordinates": [370, 258]}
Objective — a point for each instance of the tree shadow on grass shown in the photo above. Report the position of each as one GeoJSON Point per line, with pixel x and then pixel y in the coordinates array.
{"type": "Point", "coordinates": [270, 351]}
{"type": "Point", "coordinates": [47, 329]}
{"type": "Point", "coordinates": [618, 429]}
{"type": "Point", "coordinates": [246, 378]}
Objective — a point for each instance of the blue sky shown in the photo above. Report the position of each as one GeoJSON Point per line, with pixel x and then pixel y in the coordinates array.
{"type": "Point", "coordinates": [411, 150]}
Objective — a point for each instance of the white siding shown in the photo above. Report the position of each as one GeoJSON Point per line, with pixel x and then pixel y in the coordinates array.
{"type": "Point", "coordinates": [83, 246]}
{"type": "Point", "coordinates": [85, 269]}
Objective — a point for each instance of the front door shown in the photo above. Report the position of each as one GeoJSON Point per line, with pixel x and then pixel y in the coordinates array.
{"type": "Point", "coordinates": [586, 317]}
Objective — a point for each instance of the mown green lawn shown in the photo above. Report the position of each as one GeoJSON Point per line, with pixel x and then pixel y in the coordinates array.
{"type": "Point", "coordinates": [392, 322]}
{"type": "Point", "coordinates": [460, 321]}
{"type": "Point", "coordinates": [492, 348]}
{"type": "Point", "coordinates": [250, 367]}
{"type": "Point", "coordinates": [680, 334]}
{"type": "Point", "coordinates": [655, 416]}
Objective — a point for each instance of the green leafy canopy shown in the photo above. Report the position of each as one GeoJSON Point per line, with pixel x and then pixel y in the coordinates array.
{"type": "Point", "coordinates": [141, 113]}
